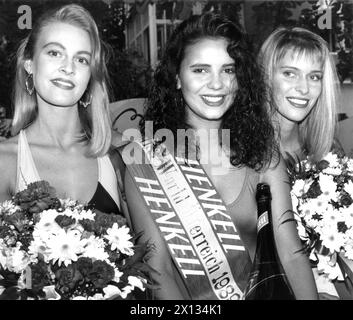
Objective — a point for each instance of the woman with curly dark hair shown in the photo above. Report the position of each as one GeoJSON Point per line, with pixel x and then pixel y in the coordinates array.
{"type": "Point", "coordinates": [195, 199]}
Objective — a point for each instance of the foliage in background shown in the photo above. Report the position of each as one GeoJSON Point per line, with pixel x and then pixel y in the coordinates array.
{"type": "Point", "coordinates": [129, 73]}
{"type": "Point", "coordinates": [231, 9]}
{"type": "Point", "coordinates": [268, 15]}
{"type": "Point", "coordinates": [339, 37]}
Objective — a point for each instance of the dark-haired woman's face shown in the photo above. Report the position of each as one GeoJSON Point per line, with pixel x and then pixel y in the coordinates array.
{"type": "Point", "coordinates": [207, 80]}
{"type": "Point", "coordinates": [61, 64]}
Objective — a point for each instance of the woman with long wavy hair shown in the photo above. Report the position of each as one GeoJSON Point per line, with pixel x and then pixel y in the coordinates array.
{"type": "Point", "coordinates": [209, 89]}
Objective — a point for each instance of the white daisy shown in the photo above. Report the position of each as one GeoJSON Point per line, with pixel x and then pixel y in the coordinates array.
{"type": "Point", "coordinates": [332, 171]}
{"type": "Point", "coordinates": [95, 249]}
{"type": "Point", "coordinates": [38, 245]}
{"type": "Point", "coordinates": [87, 214]}
{"type": "Point", "coordinates": [332, 158]}
{"type": "Point", "coordinates": [328, 186]}
{"type": "Point", "coordinates": [321, 204]}
{"type": "Point", "coordinates": [17, 260]}
{"type": "Point", "coordinates": [72, 212]}
{"type": "Point", "coordinates": [119, 239]}
{"type": "Point", "coordinates": [312, 211]}
{"type": "Point", "coordinates": [301, 186]}
{"type": "Point", "coordinates": [332, 217]}
{"type": "Point", "coordinates": [347, 215]}
{"type": "Point", "coordinates": [348, 187]}
{"type": "Point", "coordinates": [47, 222]}
{"type": "Point", "coordinates": [331, 238]}
{"type": "Point", "coordinates": [42, 235]}
{"type": "Point", "coordinates": [65, 247]}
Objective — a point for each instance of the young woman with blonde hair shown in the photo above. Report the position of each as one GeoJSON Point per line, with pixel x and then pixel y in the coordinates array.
{"type": "Point", "coordinates": [302, 91]}
{"type": "Point", "coordinates": [61, 125]}
{"type": "Point", "coordinates": [303, 88]}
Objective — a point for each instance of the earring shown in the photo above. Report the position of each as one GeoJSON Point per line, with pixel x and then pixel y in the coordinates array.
{"type": "Point", "coordinates": [86, 103]}
{"type": "Point", "coordinates": [29, 84]}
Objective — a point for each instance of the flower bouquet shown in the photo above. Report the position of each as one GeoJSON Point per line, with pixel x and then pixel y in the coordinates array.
{"type": "Point", "coordinates": [59, 249]}
{"type": "Point", "coordinates": [322, 197]}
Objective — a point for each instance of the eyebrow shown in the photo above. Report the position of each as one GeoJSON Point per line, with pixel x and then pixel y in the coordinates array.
{"type": "Point", "coordinates": [208, 65]}
{"type": "Point", "coordinates": [290, 67]}
{"type": "Point", "coordinates": [62, 47]}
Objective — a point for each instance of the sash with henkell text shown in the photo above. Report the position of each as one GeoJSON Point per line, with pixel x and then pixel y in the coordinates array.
{"type": "Point", "coordinates": [194, 222]}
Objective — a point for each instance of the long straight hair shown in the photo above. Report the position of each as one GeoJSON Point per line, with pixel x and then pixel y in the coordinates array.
{"type": "Point", "coordinates": [95, 119]}
{"type": "Point", "coordinates": [317, 130]}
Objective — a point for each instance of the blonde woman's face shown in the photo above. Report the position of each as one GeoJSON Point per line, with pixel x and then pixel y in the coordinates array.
{"type": "Point", "coordinates": [296, 86]}
{"type": "Point", "coordinates": [61, 64]}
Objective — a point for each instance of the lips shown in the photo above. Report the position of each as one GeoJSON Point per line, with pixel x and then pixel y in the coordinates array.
{"type": "Point", "coordinates": [63, 83]}
{"type": "Point", "coordinates": [298, 102]}
{"type": "Point", "coordinates": [213, 100]}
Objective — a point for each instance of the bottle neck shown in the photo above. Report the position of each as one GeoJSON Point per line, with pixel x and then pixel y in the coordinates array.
{"type": "Point", "coordinates": [262, 221]}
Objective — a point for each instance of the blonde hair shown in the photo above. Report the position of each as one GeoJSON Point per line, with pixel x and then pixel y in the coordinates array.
{"type": "Point", "coordinates": [317, 130]}
{"type": "Point", "coordinates": [95, 119]}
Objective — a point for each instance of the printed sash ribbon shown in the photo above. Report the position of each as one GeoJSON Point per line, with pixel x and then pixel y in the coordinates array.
{"type": "Point", "coordinates": [194, 222]}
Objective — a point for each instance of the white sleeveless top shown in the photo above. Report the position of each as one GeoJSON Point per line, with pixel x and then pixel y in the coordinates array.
{"type": "Point", "coordinates": [28, 173]}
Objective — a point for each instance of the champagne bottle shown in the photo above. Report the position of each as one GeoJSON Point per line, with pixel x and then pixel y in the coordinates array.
{"type": "Point", "coordinates": [267, 280]}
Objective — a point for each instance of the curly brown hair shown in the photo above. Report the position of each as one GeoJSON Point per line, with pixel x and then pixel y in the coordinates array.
{"type": "Point", "coordinates": [251, 133]}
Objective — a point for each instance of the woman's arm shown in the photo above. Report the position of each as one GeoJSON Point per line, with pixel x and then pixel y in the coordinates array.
{"type": "Point", "coordinates": [293, 258]}
{"type": "Point", "coordinates": [160, 259]}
